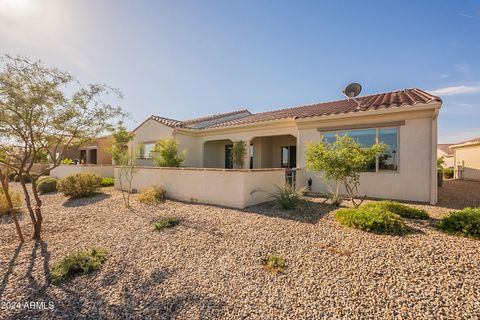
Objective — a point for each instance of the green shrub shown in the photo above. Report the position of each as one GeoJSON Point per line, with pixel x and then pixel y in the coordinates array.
{"type": "Point", "coordinates": [374, 219]}
{"type": "Point", "coordinates": [16, 200]}
{"type": "Point", "coordinates": [448, 173]}
{"type": "Point", "coordinates": [80, 185]}
{"type": "Point", "coordinates": [152, 195]}
{"type": "Point", "coordinates": [398, 208]}
{"type": "Point", "coordinates": [26, 178]}
{"type": "Point", "coordinates": [11, 176]}
{"type": "Point", "coordinates": [166, 223]}
{"type": "Point", "coordinates": [47, 185]}
{"type": "Point", "coordinates": [78, 263]}
{"type": "Point", "coordinates": [67, 161]}
{"type": "Point", "coordinates": [108, 182]}
{"type": "Point", "coordinates": [288, 197]}
{"type": "Point", "coordinates": [274, 263]}
{"type": "Point", "coordinates": [464, 223]}
{"type": "Point", "coordinates": [166, 153]}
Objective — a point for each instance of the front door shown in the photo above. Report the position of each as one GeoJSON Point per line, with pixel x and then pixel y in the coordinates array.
{"type": "Point", "coordinates": [229, 156]}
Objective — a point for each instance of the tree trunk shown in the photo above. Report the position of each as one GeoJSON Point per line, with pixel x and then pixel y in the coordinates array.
{"type": "Point", "coordinates": [11, 209]}
{"type": "Point", "coordinates": [28, 203]}
{"type": "Point", "coordinates": [38, 211]}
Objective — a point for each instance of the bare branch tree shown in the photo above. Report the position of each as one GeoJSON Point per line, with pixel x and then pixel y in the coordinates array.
{"type": "Point", "coordinates": [37, 116]}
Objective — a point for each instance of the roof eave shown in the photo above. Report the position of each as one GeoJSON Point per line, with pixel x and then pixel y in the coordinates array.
{"type": "Point", "coordinates": [433, 105]}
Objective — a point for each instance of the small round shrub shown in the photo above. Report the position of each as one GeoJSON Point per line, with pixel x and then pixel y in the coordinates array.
{"type": "Point", "coordinates": [16, 200]}
{"type": "Point", "coordinates": [108, 182]}
{"type": "Point", "coordinates": [464, 223]}
{"type": "Point", "coordinates": [448, 173]}
{"type": "Point", "coordinates": [26, 178]}
{"type": "Point", "coordinates": [152, 195]}
{"type": "Point", "coordinates": [79, 185]}
{"type": "Point", "coordinates": [166, 223]}
{"type": "Point", "coordinates": [47, 185]}
{"type": "Point", "coordinates": [398, 208]}
{"type": "Point", "coordinates": [371, 219]}
{"type": "Point", "coordinates": [78, 263]}
{"type": "Point", "coordinates": [274, 263]}
{"type": "Point", "coordinates": [11, 176]}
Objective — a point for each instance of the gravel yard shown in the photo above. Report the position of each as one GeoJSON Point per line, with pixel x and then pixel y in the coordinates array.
{"type": "Point", "coordinates": [210, 266]}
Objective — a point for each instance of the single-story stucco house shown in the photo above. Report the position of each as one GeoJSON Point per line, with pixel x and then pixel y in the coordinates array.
{"type": "Point", "coordinates": [444, 151]}
{"type": "Point", "coordinates": [406, 120]}
{"type": "Point", "coordinates": [467, 159]}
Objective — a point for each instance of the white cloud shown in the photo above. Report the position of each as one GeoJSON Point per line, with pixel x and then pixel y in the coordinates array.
{"type": "Point", "coordinates": [443, 76]}
{"type": "Point", "coordinates": [455, 90]}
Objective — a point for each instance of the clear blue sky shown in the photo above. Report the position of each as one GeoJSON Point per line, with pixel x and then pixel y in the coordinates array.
{"type": "Point", "coordinates": [183, 59]}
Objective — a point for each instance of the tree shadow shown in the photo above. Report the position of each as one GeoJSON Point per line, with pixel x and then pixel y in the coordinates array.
{"type": "Point", "coordinates": [7, 218]}
{"type": "Point", "coordinates": [308, 212]}
{"type": "Point", "coordinates": [97, 197]}
{"type": "Point", "coordinates": [11, 264]}
{"type": "Point", "coordinates": [138, 298]}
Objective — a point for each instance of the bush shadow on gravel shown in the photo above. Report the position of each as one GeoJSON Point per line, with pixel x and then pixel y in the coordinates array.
{"type": "Point", "coordinates": [308, 211]}
{"type": "Point", "coordinates": [97, 197]}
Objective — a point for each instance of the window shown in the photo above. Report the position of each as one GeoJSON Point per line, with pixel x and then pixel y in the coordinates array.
{"type": "Point", "coordinates": [146, 151]}
{"type": "Point", "coordinates": [330, 137]}
{"type": "Point", "coordinates": [289, 157]}
{"type": "Point", "coordinates": [367, 138]}
{"type": "Point", "coordinates": [389, 160]}
{"type": "Point", "coordinates": [229, 156]}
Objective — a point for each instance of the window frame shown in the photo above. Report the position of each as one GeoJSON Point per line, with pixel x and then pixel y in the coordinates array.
{"type": "Point", "coordinates": [142, 155]}
{"type": "Point", "coordinates": [377, 165]}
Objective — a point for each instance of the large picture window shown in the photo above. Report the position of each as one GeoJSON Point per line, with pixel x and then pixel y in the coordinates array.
{"type": "Point", "coordinates": [369, 137]}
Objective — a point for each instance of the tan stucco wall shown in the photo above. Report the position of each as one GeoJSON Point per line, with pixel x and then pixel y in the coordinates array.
{"type": "Point", "coordinates": [64, 170]}
{"type": "Point", "coordinates": [411, 182]}
{"type": "Point", "coordinates": [231, 188]}
{"type": "Point", "coordinates": [469, 156]}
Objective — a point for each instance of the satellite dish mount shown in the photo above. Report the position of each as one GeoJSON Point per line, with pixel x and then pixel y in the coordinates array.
{"type": "Point", "coordinates": [351, 91]}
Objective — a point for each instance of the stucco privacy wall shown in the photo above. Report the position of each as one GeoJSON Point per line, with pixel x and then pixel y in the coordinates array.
{"type": "Point", "coordinates": [231, 188]}
{"type": "Point", "coordinates": [412, 181]}
{"type": "Point", "coordinates": [64, 170]}
{"type": "Point", "coordinates": [469, 157]}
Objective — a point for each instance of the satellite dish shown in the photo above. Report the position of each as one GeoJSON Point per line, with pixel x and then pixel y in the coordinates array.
{"type": "Point", "coordinates": [352, 90]}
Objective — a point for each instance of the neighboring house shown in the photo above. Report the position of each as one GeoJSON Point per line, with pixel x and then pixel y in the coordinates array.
{"type": "Point", "coordinates": [444, 150]}
{"type": "Point", "coordinates": [467, 159]}
{"type": "Point", "coordinates": [94, 152]}
{"type": "Point", "coordinates": [406, 120]}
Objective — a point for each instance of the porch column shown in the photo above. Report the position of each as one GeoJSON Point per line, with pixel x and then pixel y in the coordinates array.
{"type": "Point", "coordinates": [247, 155]}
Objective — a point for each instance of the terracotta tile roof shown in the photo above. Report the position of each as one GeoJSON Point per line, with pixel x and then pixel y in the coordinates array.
{"type": "Point", "coordinates": [216, 117]}
{"type": "Point", "coordinates": [395, 99]}
{"type": "Point", "coordinates": [207, 120]}
{"type": "Point", "coordinates": [167, 121]}
{"type": "Point", "coordinates": [445, 147]}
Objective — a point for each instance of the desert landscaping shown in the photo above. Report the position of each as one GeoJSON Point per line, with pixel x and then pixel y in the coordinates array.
{"type": "Point", "coordinates": [211, 265]}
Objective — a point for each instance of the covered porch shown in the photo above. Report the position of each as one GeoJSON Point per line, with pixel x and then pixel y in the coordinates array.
{"type": "Point", "coordinates": [276, 151]}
